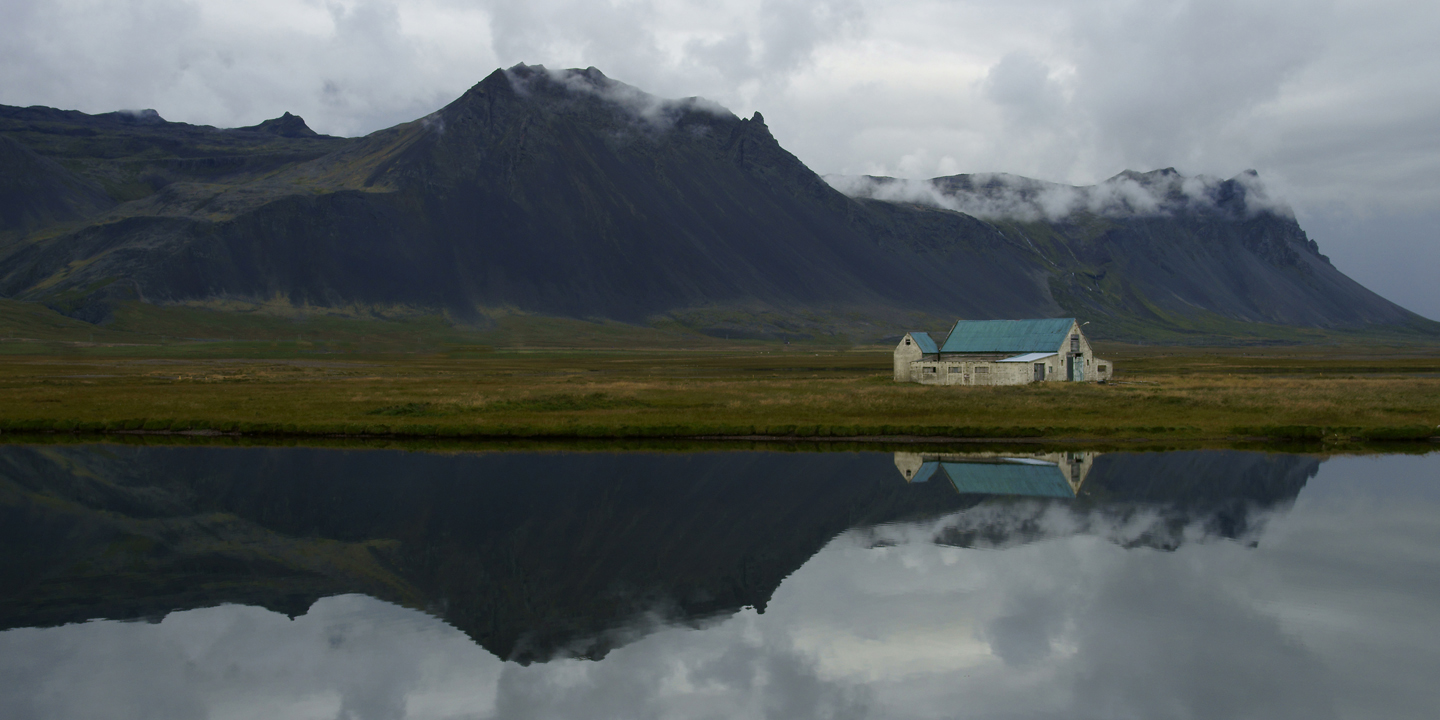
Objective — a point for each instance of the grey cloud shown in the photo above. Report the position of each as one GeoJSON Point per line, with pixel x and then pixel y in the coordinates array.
{"type": "Point", "coordinates": [1022, 85]}
{"type": "Point", "coordinates": [632, 41]}
{"type": "Point", "coordinates": [358, 72]}
{"type": "Point", "coordinates": [790, 30]}
{"type": "Point", "coordinates": [1162, 81]}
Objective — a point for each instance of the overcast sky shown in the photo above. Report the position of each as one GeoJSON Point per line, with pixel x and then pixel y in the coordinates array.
{"type": "Point", "coordinates": [1336, 104]}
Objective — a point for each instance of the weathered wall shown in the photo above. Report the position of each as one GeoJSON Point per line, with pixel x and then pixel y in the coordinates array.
{"type": "Point", "coordinates": [906, 352]}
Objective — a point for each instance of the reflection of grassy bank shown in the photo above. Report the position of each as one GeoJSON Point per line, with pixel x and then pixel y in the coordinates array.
{"type": "Point", "coordinates": [1301, 395]}
{"type": "Point", "coordinates": [688, 445]}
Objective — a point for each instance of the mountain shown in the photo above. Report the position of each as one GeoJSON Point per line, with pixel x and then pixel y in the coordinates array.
{"type": "Point", "coordinates": [570, 194]}
{"type": "Point", "coordinates": [1157, 249]}
{"type": "Point", "coordinates": [530, 554]}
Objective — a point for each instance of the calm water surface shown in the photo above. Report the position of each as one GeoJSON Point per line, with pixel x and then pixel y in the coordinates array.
{"type": "Point", "coordinates": [149, 582]}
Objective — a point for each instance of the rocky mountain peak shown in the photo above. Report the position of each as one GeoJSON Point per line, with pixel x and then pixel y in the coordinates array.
{"type": "Point", "coordinates": [286, 125]}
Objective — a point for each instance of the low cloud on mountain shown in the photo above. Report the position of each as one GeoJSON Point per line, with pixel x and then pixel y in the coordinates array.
{"type": "Point", "coordinates": [1004, 196]}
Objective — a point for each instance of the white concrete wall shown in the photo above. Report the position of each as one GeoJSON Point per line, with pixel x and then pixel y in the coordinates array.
{"type": "Point", "coordinates": [1104, 370]}
{"type": "Point", "coordinates": [906, 352]}
{"type": "Point", "coordinates": [970, 372]}
{"type": "Point", "coordinates": [1087, 363]}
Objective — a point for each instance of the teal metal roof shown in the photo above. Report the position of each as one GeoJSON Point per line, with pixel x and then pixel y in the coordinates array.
{"type": "Point", "coordinates": [924, 342]}
{"type": "Point", "coordinates": [926, 471]}
{"type": "Point", "coordinates": [1007, 478]}
{"type": "Point", "coordinates": [1008, 336]}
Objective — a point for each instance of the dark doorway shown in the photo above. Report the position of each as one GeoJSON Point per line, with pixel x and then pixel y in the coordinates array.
{"type": "Point", "coordinates": [1069, 367]}
{"type": "Point", "coordinates": [1039, 372]}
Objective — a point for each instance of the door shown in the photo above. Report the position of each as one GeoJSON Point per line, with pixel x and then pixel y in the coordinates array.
{"type": "Point", "coordinates": [1039, 372]}
{"type": "Point", "coordinates": [1069, 367]}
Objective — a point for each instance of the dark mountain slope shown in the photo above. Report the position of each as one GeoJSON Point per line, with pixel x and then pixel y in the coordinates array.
{"type": "Point", "coordinates": [1259, 269]}
{"type": "Point", "coordinates": [1157, 251]}
{"type": "Point", "coordinates": [36, 192]}
{"type": "Point", "coordinates": [566, 194]}
{"type": "Point", "coordinates": [570, 194]}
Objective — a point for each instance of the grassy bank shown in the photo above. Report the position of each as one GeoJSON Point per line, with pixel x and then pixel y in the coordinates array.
{"type": "Point", "coordinates": [1331, 394]}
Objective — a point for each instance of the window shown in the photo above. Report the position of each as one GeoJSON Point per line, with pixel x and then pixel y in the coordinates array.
{"type": "Point", "coordinates": [1074, 343]}
{"type": "Point", "coordinates": [982, 370]}
{"type": "Point", "coordinates": [907, 341]}
{"type": "Point", "coordinates": [1100, 368]}
{"type": "Point", "coordinates": [954, 369]}
{"type": "Point", "coordinates": [930, 370]}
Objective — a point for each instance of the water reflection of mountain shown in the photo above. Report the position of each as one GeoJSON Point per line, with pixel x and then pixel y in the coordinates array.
{"type": "Point", "coordinates": [527, 553]}
{"type": "Point", "coordinates": [524, 552]}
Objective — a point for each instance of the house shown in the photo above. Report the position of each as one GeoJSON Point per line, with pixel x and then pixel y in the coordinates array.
{"type": "Point", "coordinates": [1000, 352]}
{"type": "Point", "coordinates": [1055, 475]}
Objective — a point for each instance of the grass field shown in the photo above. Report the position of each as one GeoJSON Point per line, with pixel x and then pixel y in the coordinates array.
{"type": "Point", "coordinates": [452, 387]}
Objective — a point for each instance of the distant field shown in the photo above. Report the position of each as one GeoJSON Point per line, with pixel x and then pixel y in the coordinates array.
{"type": "Point", "coordinates": [455, 388]}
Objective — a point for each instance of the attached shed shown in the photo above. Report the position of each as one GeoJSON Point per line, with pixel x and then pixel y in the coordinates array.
{"type": "Point", "coordinates": [1000, 352]}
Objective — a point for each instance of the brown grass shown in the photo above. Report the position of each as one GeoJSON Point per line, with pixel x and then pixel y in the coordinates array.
{"type": "Point", "coordinates": [1159, 393]}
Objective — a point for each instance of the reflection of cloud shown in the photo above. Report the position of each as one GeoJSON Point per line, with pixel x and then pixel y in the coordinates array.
{"type": "Point", "coordinates": [348, 657]}
{"type": "Point", "coordinates": [1006, 523]}
{"type": "Point", "coordinates": [1332, 615]}
{"type": "Point", "coordinates": [1162, 640]}
{"type": "Point", "coordinates": [738, 668]}
{"type": "Point", "coordinates": [1026, 632]}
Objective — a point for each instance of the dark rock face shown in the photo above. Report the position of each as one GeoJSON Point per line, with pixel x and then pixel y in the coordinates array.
{"type": "Point", "coordinates": [36, 192]}
{"type": "Point", "coordinates": [286, 125]}
{"type": "Point", "coordinates": [567, 193]}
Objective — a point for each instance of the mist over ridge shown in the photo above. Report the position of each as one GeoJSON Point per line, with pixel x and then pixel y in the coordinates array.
{"type": "Point", "coordinates": [1003, 196]}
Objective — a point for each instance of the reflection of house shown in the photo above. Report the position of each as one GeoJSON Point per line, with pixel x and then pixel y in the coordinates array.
{"type": "Point", "coordinates": [1057, 475]}
{"type": "Point", "coordinates": [999, 352]}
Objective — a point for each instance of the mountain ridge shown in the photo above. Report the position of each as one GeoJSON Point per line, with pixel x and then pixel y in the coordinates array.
{"type": "Point", "coordinates": [568, 193]}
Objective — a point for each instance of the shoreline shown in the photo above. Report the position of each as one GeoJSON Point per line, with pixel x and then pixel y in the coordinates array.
{"type": "Point", "coordinates": [1404, 435]}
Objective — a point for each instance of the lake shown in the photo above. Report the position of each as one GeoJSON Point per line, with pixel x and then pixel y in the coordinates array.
{"type": "Point", "coordinates": [262, 582]}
